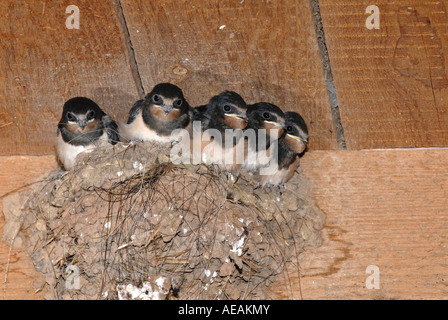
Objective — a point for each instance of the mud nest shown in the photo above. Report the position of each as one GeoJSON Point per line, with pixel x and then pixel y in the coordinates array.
{"type": "Point", "coordinates": [126, 223]}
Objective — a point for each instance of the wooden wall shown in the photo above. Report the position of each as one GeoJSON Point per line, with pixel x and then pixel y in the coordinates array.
{"type": "Point", "coordinates": [391, 82]}
{"type": "Point", "coordinates": [44, 64]}
{"type": "Point", "coordinates": [356, 87]}
{"type": "Point", "coordinates": [264, 50]}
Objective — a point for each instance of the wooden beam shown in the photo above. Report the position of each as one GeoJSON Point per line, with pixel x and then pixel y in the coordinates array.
{"type": "Point", "coordinates": [44, 63]}
{"type": "Point", "coordinates": [391, 82]}
{"type": "Point", "coordinates": [263, 50]}
{"type": "Point", "coordinates": [386, 208]}
{"type": "Point", "coordinates": [18, 171]}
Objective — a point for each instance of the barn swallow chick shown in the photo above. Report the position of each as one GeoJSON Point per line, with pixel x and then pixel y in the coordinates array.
{"type": "Point", "coordinates": [224, 114]}
{"type": "Point", "coordinates": [154, 118]}
{"type": "Point", "coordinates": [290, 146]}
{"type": "Point", "coordinates": [224, 111]}
{"type": "Point", "coordinates": [83, 127]}
{"type": "Point", "coordinates": [266, 124]}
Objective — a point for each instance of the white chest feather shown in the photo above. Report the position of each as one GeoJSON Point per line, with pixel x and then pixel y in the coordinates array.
{"type": "Point", "coordinates": [138, 130]}
{"type": "Point", "coordinates": [227, 157]}
{"type": "Point", "coordinates": [212, 150]}
{"type": "Point", "coordinates": [276, 179]}
{"type": "Point", "coordinates": [279, 176]}
{"type": "Point", "coordinates": [67, 153]}
{"type": "Point", "coordinates": [259, 159]}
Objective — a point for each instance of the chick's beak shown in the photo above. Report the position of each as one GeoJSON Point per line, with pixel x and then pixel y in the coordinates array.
{"type": "Point", "coordinates": [167, 109]}
{"type": "Point", "coordinates": [82, 123]}
{"type": "Point", "coordinates": [303, 140]}
{"type": "Point", "coordinates": [277, 124]}
{"type": "Point", "coordinates": [241, 117]}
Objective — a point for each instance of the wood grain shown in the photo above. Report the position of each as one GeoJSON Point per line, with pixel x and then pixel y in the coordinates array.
{"type": "Point", "coordinates": [391, 82]}
{"type": "Point", "coordinates": [386, 208]}
{"type": "Point", "coordinates": [265, 50]}
{"type": "Point", "coordinates": [18, 171]}
{"type": "Point", "coordinates": [44, 64]}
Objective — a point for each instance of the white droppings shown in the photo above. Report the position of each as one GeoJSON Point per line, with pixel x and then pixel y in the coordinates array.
{"type": "Point", "coordinates": [231, 226]}
{"type": "Point", "coordinates": [222, 27]}
{"type": "Point", "coordinates": [131, 292]}
{"type": "Point", "coordinates": [160, 281]}
{"type": "Point", "coordinates": [119, 173]}
{"type": "Point", "coordinates": [238, 246]}
{"type": "Point", "coordinates": [212, 279]}
{"type": "Point", "coordinates": [207, 273]}
{"type": "Point", "coordinates": [146, 292]}
{"type": "Point", "coordinates": [137, 165]}
{"type": "Point", "coordinates": [107, 225]}
{"type": "Point", "coordinates": [156, 296]}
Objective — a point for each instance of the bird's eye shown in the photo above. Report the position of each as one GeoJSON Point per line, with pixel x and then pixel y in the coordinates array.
{"type": "Point", "coordinates": [70, 116]}
{"type": "Point", "coordinates": [289, 128]}
{"type": "Point", "coordinates": [156, 98]}
{"type": "Point", "coordinates": [178, 103]}
{"type": "Point", "coordinates": [266, 115]}
{"type": "Point", "coordinates": [227, 108]}
{"type": "Point", "coordinates": [91, 115]}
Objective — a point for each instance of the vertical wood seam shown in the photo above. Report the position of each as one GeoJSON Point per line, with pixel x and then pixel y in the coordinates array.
{"type": "Point", "coordinates": [328, 73]}
{"type": "Point", "coordinates": [130, 49]}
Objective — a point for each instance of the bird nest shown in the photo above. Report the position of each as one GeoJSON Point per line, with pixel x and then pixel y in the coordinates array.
{"type": "Point", "coordinates": [126, 223]}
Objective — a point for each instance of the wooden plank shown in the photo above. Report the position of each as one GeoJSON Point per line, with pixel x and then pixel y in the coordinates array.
{"type": "Point", "coordinates": [263, 50]}
{"type": "Point", "coordinates": [384, 207]}
{"type": "Point", "coordinates": [44, 64]}
{"type": "Point", "coordinates": [17, 171]}
{"type": "Point", "coordinates": [18, 276]}
{"type": "Point", "coordinates": [391, 82]}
